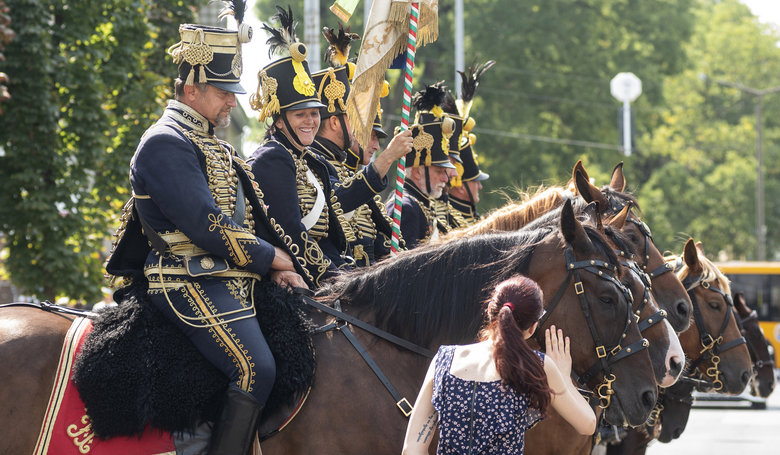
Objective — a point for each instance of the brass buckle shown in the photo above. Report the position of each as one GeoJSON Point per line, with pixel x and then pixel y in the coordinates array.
{"type": "Point", "coordinates": [601, 352]}
{"type": "Point", "coordinates": [578, 288]}
{"type": "Point", "coordinates": [616, 349]}
{"type": "Point", "coordinates": [404, 403]}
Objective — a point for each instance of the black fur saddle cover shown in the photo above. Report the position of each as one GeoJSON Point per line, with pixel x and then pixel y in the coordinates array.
{"type": "Point", "coordinates": [136, 368]}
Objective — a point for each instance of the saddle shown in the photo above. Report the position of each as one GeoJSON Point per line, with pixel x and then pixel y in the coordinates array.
{"type": "Point", "coordinates": [137, 369]}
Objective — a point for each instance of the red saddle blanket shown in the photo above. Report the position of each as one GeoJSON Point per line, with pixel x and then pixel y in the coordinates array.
{"type": "Point", "coordinates": [66, 426]}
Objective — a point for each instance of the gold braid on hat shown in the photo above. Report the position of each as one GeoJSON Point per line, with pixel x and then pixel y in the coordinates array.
{"type": "Point", "coordinates": [267, 103]}
{"type": "Point", "coordinates": [334, 90]}
{"type": "Point", "coordinates": [198, 53]}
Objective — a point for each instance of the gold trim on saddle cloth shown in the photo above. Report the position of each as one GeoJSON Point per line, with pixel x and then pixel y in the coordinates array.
{"type": "Point", "coordinates": [69, 344]}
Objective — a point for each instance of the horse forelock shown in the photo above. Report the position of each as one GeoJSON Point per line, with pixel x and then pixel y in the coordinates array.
{"type": "Point", "coordinates": [617, 199]}
{"type": "Point", "coordinates": [710, 272]}
{"type": "Point", "coordinates": [436, 292]}
{"type": "Point", "coordinates": [604, 247]}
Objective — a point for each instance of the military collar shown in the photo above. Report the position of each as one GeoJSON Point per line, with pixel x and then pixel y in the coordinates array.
{"type": "Point", "coordinates": [328, 149]}
{"type": "Point", "coordinates": [462, 206]}
{"type": "Point", "coordinates": [189, 117]}
{"type": "Point", "coordinates": [353, 160]}
{"type": "Point", "coordinates": [411, 189]}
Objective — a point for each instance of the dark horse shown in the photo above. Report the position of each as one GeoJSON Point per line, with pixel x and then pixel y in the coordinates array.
{"type": "Point", "coordinates": [430, 296]}
{"type": "Point", "coordinates": [763, 382]}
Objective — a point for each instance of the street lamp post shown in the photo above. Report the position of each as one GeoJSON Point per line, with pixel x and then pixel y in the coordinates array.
{"type": "Point", "coordinates": [760, 219]}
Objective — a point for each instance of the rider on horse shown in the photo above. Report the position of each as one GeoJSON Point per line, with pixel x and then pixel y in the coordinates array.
{"type": "Point", "coordinates": [211, 240]}
{"type": "Point", "coordinates": [428, 168]}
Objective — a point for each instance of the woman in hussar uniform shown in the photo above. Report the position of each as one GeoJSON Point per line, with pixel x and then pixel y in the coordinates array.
{"type": "Point", "coordinates": [295, 181]}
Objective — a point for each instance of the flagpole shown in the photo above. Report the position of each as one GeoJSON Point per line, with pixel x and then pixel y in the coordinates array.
{"type": "Point", "coordinates": [405, 114]}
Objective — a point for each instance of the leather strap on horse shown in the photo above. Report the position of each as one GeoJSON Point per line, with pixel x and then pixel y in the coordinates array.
{"type": "Point", "coordinates": [52, 308]}
{"type": "Point", "coordinates": [369, 328]}
{"type": "Point", "coordinates": [402, 403]}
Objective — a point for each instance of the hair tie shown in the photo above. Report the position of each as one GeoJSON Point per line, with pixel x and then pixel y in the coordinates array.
{"type": "Point", "coordinates": [510, 306]}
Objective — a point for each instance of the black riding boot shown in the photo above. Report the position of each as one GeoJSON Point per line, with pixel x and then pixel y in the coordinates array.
{"type": "Point", "coordinates": [235, 430]}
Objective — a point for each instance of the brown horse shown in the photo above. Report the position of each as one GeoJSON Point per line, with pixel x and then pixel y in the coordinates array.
{"type": "Point", "coordinates": [429, 296]}
{"type": "Point", "coordinates": [612, 198]}
{"type": "Point", "coordinates": [718, 357]}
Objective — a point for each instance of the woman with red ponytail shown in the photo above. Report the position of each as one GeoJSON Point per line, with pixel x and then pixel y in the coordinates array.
{"type": "Point", "coordinates": [484, 396]}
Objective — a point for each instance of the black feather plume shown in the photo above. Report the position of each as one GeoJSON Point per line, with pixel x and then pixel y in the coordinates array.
{"type": "Point", "coordinates": [448, 105]}
{"type": "Point", "coordinates": [340, 44]}
{"type": "Point", "coordinates": [235, 8]}
{"type": "Point", "coordinates": [470, 80]}
{"type": "Point", "coordinates": [430, 96]}
{"type": "Point", "coordinates": [282, 37]}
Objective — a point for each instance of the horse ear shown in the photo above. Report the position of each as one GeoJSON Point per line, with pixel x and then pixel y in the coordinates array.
{"type": "Point", "coordinates": [691, 256]}
{"type": "Point", "coordinates": [579, 167]}
{"type": "Point", "coordinates": [587, 190]}
{"type": "Point", "coordinates": [700, 247]}
{"type": "Point", "coordinates": [618, 182]}
{"type": "Point", "coordinates": [572, 229]}
{"type": "Point", "coordinates": [619, 220]}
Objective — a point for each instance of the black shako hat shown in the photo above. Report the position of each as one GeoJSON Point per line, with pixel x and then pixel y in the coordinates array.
{"type": "Point", "coordinates": [285, 83]}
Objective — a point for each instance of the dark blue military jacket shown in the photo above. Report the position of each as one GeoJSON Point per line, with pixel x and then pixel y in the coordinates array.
{"type": "Point", "coordinates": [418, 220]}
{"type": "Point", "coordinates": [186, 184]}
{"type": "Point", "coordinates": [461, 213]}
{"type": "Point", "coordinates": [280, 171]}
{"type": "Point", "coordinates": [368, 227]}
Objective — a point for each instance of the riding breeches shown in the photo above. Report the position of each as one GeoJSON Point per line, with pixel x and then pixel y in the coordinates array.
{"type": "Point", "coordinates": [218, 316]}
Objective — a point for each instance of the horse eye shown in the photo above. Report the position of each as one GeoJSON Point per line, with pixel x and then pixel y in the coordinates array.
{"type": "Point", "coordinates": [714, 304]}
{"type": "Point", "coordinates": [607, 299]}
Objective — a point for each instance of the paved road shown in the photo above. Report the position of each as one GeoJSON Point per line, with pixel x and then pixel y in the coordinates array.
{"type": "Point", "coordinates": [727, 430]}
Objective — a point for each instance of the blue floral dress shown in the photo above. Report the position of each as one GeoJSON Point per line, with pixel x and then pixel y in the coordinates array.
{"type": "Point", "coordinates": [478, 417]}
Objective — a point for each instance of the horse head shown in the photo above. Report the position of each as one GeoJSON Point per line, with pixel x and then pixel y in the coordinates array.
{"type": "Point", "coordinates": [666, 352]}
{"type": "Point", "coordinates": [763, 363]}
{"type": "Point", "coordinates": [612, 199]}
{"type": "Point", "coordinates": [609, 355]}
{"type": "Point", "coordinates": [714, 342]}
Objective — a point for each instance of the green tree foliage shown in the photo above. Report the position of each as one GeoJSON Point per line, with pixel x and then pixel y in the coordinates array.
{"type": "Point", "coordinates": [87, 79]}
{"type": "Point", "coordinates": [698, 162]}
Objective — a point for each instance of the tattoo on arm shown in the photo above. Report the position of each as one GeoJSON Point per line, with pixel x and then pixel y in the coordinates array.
{"type": "Point", "coordinates": [427, 430]}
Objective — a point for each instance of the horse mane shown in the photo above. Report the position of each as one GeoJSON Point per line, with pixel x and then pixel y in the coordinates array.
{"type": "Point", "coordinates": [435, 291]}
{"type": "Point", "coordinates": [711, 272]}
{"type": "Point", "coordinates": [516, 214]}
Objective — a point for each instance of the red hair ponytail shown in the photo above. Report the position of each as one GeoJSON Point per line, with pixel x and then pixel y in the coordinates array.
{"type": "Point", "coordinates": [516, 304]}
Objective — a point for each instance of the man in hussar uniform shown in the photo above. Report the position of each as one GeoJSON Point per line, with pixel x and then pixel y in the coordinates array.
{"type": "Point", "coordinates": [364, 222]}
{"type": "Point", "coordinates": [428, 169]}
{"type": "Point", "coordinates": [210, 238]}
{"type": "Point", "coordinates": [465, 187]}
{"type": "Point", "coordinates": [295, 180]}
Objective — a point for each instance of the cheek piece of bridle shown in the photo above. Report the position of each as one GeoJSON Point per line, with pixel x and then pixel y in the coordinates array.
{"type": "Point", "coordinates": [712, 346]}
{"type": "Point", "coordinates": [606, 356]}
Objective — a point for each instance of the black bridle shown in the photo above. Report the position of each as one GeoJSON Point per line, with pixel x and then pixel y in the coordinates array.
{"type": "Point", "coordinates": [606, 356]}
{"type": "Point", "coordinates": [712, 346]}
{"type": "Point", "coordinates": [655, 318]}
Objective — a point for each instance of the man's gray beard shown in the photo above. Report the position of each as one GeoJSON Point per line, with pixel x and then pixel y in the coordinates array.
{"type": "Point", "coordinates": [436, 193]}
{"type": "Point", "coordinates": [223, 121]}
